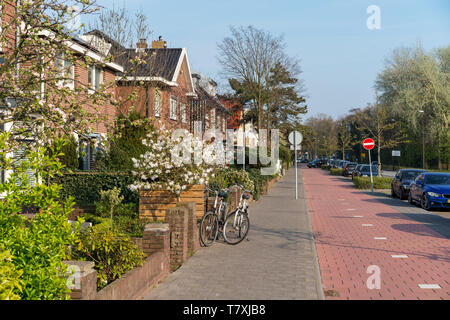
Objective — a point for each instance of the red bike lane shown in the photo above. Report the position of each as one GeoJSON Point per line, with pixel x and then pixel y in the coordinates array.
{"type": "Point", "coordinates": [368, 250]}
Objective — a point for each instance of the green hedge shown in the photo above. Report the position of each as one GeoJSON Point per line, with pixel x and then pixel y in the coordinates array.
{"type": "Point", "coordinates": [325, 167]}
{"type": "Point", "coordinates": [258, 180]}
{"type": "Point", "coordinates": [336, 171]}
{"type": "Point", "coordinates": [85, 186]}
{"type": "Point", "coordinates": [378, 182]}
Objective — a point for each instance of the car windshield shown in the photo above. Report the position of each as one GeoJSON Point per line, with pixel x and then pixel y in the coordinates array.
{"type": "Point", "coordinates": [410, 175]}
{"type": "Point", "coordinates": [437, 179]}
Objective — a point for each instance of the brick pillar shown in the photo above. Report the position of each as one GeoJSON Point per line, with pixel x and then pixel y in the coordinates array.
{"type": "Point", "coordinates": [235, 195]}
{"type": "Point", "coordinates": [177, 218]}
{"type": "Point", "coordinates": [83, 280]}
{"type": "Point", "coordinates": [193, 233]}
{"type": "Point", "coordinates": [156, 238]}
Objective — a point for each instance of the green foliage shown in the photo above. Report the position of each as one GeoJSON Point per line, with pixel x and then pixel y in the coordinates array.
{"type": "Point", "coordinates": [258, 180]}
{"type": "Point", "coordinates": [378, 182]}
{"type": "Point", "coordinates": [85, 187]}
{"type": "Point", "coordinates": [285, 155]}
{"type": "Point", "coordinates": [227, 177]}
{"type": "Point", "coordinates": [125, 217]}
{"type": "Point", "coordinates": [336, 171]}
{"type": "Point", "coordinates": [325, 167]}
{"type": "Point", "coordinates": [69, 157]}
{"type": "Point", "coordinates": [9, 277]}
{"type": "Point", "coordinates": [38, 246]}
{"type": "Point", "coordinates": [109, 200]}
{"type": "Point", "coordinates": [126, 142]}
{"type": "Point", "coordinates": [112, 252]}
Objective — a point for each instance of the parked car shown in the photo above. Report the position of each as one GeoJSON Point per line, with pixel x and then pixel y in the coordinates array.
{"type": "Point", "coordinates": [348, 168]}
{"type": "Point", "coordinates": [312, 164]}
{"type": "Point", "coordinates": [431, 190]}
{"type": "Point", "coordinates": [355, 170]}
{"type": "Point", "coordinates": [364, 171]}
{"type": "Point", "coordinates": [402, 181]}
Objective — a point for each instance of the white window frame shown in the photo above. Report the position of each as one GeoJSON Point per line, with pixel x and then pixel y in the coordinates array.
{"type": "Point", "coordinates": [66, 65]}
{"type": "Point", "coordinates": [93, 72]}
{"type": "Point", "coordinates": [173, 108]}
{"type": "Point", "coordinates": [157, 106]}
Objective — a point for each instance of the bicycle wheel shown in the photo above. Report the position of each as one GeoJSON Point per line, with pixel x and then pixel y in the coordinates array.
{"type": "Point", "coordinates": [209, 226]}
{"type": "Point", "coordinates": [236, 228]}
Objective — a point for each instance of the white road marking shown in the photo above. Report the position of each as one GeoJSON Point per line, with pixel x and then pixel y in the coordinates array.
{"type": "Point", "coordinates": [358, 217]}
{"type": "Point", "coordinates": [380, 238]}
{"type": "Point", "coordinates": [367, 225]}
{"type": "Point", "coordinates": [399, 256]}
{"type": "Point", "coordinates": [429, 286]}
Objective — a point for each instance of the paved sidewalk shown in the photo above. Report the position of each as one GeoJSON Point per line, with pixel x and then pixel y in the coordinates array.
{"type": "Point", "coordinates": [278, 262]}
{"type": "Point", "coordinates": [355, 230]}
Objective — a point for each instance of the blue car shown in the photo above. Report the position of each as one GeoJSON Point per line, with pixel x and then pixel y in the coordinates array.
{"type": "Point", "coordinates": [431, 190]}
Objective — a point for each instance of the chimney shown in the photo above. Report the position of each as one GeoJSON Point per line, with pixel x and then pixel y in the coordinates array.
{"type": "Point", "coordinates": [159, 44]}
{"type": "Point", "coordinates": [141, 45]}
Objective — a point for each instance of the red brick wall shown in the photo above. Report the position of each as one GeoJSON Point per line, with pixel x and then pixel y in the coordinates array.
{"type": "Point", "coordinates": [235, 108]}
{"type": "Point", "coordinates": [7, 15]}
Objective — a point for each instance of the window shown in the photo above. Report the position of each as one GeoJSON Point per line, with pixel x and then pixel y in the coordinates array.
{"type": "Point", "coordinates": [157, 104]}
{"type": "Point", "coordinates": [173, 108]}
{"type": "Point", "coordinates": [65, 72]}
{"type": "Point", "coordinates": [95, 77]}
{"type": "Point", "coordinates": [183, 113]}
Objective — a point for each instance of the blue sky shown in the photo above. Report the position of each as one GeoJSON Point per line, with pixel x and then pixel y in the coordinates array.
{"type": "Point", "coordinates": [340, 57]}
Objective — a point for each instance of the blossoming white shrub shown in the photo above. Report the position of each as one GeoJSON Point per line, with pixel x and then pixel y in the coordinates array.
{"type": "Point", "coordinates": [174, 162]}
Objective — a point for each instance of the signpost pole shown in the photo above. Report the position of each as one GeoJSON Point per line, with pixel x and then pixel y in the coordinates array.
{"type": "Point", "coordinates": [371, 177]}
{"type": "Point", "coordinates": [296, 173]}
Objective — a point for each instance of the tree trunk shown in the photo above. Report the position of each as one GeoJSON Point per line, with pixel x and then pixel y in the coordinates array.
{"type": "Point", "coordinates": [379, 161]}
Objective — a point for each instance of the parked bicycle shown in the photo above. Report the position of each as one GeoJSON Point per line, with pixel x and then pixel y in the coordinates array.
{"type": "Point", "coordinates": [237, 223]}
{"type": "Point", "coordinates": [213, 221]}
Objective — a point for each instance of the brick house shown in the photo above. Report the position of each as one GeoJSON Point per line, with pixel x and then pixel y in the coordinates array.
{"type": "Point", "coordinates": [162, 83]}
{"type": "Point", "coordinates": [101, 72]}
{"type": "Point", "coordinates": [207, 111]}
{"type": "Point", "coordinates": [236, 109]}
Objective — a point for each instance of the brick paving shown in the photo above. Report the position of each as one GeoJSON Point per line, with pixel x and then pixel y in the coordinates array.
{"type": "Point", "coordinates": [346, 223]}
{"type": "Point", "coordinates": [279, 261]}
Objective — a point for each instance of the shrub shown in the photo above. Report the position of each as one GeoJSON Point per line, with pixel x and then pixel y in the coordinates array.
{"type": "Point", "coordinates": [125, 217]}
{"type": "Point", "coordinates": [336, 171]}
{"type": "Point", "coordinates": [69, 157]}
{"type": "Point", "coordinates": [258, 180]}
{"type": "Point", "coordinates": [112, 252]}
{"type": "Point", "coordinates": [285, 156]}
{"type": "Point", "coordinates": [227, 177]}
{"type": "Point", "coordinates": [378, 182]}
{"type": "Point", "coordinates": [126, 142]}
{"type": "Point", "coordinates": [325, 167]}
{"type": "Point", "coordinates": [37, 246]}
{"type": "Point", "coordinates": [85, 187]}
{"type": "Point", "coordinates": [9, 276]}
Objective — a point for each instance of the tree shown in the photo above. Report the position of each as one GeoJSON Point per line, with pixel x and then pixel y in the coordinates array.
{"type": "Point", "coordinates": [345, 138]}
{"type": "Point", "coordinates": [39, 97]}
{"type": "Point", "coordinates": [376, 122]}
{"type": "Point", "coordinates": [324, 134]}
{"type": "Point", "coordinates": [414, 81]}
{"type": "Point", "coordinates": [247, 58]}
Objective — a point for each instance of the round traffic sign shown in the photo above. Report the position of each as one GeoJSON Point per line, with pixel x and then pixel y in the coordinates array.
{"type": "Point", "coordinates": [295, 137]}
{"type": "Point", "coordinates": [368, 144]}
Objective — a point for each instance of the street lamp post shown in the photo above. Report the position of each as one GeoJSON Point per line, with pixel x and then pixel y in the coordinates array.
{"type": "Point", "coordinates": [423, 138]}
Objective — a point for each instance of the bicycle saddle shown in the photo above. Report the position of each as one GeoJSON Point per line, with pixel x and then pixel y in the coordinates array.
{"type": "Point", "coordinates": [223, 194]}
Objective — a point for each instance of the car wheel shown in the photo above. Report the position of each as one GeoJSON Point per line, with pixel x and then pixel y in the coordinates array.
{"type": "Point", "coordinates": [424, 203]}
{"type": "Point", "coordinates": [402, 194]}
{"type": "Point", "coordinates": [410, 199]}
{"type": "Point", "coordinates": [392, 192]}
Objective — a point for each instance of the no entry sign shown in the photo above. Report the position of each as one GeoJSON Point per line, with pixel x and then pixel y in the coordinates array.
{"type": "Point", "coordinates": [368, 144]}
